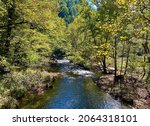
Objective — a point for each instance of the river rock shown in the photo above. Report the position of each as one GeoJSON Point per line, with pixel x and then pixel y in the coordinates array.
{"type": "Point", "coordinates": [142, 92]}
{"type": "Point", "coordinates": [106, 80]}
{"type": "Point", "coordinates": [141, 103]}
{"type": "Point", "coordinates": [110, 70]}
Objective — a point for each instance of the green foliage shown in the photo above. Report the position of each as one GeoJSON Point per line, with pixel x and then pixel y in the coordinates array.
{"type": "Point", "coordinates": [29, 32]}
{"type": "Point", "coordinates": [93, 35]}
{"type": "Point", "coordinates": [117, 34]}
{"type": "Point", "coordinates": [40, 27]}
{"type": "Point", "coordinates": [15, 85]}
{"type": "Point", "coordinates": [68, 10]}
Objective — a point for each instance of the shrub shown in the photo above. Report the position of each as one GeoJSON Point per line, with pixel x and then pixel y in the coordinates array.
{"type": "Point", "coordinates": [15, 85]}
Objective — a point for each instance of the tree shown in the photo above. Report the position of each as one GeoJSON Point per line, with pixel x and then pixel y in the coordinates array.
{"type": "Point", "coordinates": [39, 23]}
{"type": "Point", "coordinates": [68, 10]}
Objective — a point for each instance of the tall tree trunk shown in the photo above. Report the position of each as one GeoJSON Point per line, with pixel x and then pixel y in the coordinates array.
{"type": "Point", "coordinates": [10, 21]}
{"type": "Point", "coordinates": [148, 57]}
{"type": "Point", "coordinates": [122, 57]}
{"type": "Point", "coordinates": [104, 65]}
{"type": "Point", "coordinates": [115, 56]}
{"type": "Point", "coordinates": [147, 52]}
{"type": "Point", "coordinates": [144, 70]}
{"type": "Point", "coordinates": [127, 60]}
{"type": "Point", "coordinates": [104, 59]}
{"type": "Point", "coordinates": [148, 76]}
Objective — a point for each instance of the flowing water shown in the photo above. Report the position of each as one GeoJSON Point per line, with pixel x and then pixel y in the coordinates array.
{"type": "Point", "coordinates": [74, 90]}
{"type": "Point", "coordinates": [79, 92]}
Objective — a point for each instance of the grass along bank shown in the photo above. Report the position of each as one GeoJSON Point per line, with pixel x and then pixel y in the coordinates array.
{"type": "Point", "coordinates": [15, 85]}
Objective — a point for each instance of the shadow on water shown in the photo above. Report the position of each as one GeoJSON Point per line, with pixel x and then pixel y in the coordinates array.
{"type": "Point", "coordinates": [73, 92]}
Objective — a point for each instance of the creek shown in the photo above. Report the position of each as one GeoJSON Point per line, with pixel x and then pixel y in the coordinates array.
{"type": "Point", "coordinates": [74, 90]}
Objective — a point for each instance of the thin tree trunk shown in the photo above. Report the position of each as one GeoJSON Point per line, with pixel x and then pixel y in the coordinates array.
{"type": "Point", "coordinates": [127, 60]}
{"type": "Point", "coordinates": [147, 51]}
{"type": "Point", "coordinates": [144, 70]}
{"type": "Point", "coordinates": [122, 58]}
{"type": "Point", "coordinates": [104, 59]}
{"type": "Point", "coordinates": [148, 74]}
{"type": "Point", "coordinates": [10, 21]}
{"type": "Point", "coordinates": [148, 57]}
{"type": "Point", "coordinates": [115, 57]}
{"type": "Point", "coordinates": [104, 65]}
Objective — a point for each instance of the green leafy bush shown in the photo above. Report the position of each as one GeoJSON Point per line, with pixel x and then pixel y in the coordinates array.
{"type": "Point", "coordinates": [15, 85]}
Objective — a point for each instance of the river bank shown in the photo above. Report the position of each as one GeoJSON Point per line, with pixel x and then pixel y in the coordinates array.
{"type": "Point", "coordinates": [23, 84]}
{"type": "Point", "coordinates": [67, 86]}
{"type": "Point", "coordinates": [74, 89]}
{"type": "Point", "coordinates": [132, 92]}
{"type": "Point", "coordinates": [17, 85]}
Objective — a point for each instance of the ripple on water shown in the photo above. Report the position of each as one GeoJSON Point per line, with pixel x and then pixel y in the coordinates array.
{"type": "Point", "coordinates": [76, 92]}
{"type": "Point", "coordinates": [73, 93]}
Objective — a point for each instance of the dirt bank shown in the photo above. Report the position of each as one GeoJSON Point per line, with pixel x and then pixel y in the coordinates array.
{"type": "Point", "coordinates": [133, 92]}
